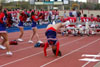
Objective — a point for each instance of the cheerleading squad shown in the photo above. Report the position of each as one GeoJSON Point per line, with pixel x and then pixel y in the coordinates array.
{"type": "Point", "coordinates": [86, 25]}
{"type": "Point", "coordinates": [67, 25]}
{"type": "Point", "coordinates": [18, 18]}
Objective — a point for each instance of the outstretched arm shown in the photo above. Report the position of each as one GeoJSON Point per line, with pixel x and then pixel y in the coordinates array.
{"type": "Point", "coordinates": [45, 47]}
{"type": "Point", "coordinates": [57, 50]}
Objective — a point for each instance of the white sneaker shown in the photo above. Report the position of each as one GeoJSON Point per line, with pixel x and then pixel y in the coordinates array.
{"type": "Point", "coordinates": [2, 47]}
{"type": "Point", "coordinates": [30, 41]}
{"type": "Point", "coordinates": [40, 41]}
{"type": "Point", "coordinates": [20, 39]}
{"type": "Point", "coordinates": [9, 53]}
{"type": "Point", "coordinates": [2, 38]}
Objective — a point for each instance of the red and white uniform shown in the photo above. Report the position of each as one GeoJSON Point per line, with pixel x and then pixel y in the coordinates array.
{"type": "Point", "coordinates": [70, 26]}
{"type": "Point", "coordinates": [92, 19]}
{"type": "Point", "coordinates": [46, 15]}
{"type": "Point", "coordinates": [64, 19]}
{"type": "Point", "coordinates": [72, 19]}
{"type": "Point", "coordinates": [85, 19]}
{"type": "Point", "coordinates": [97, 19]}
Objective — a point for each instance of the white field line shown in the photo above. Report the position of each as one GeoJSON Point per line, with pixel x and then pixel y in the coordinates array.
{"type": "Point", "coordinates": [89, 61]}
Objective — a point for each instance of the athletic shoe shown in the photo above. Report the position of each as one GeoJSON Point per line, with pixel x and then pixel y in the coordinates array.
{"type": "Point", "coordinates": [20, 39]}
{"type": "Point", "coordinates": [2, 38]}
{"type": "Point", "coordinates": [40, 41]}
{"type": "Point", "coordinates": [30, 41]}
{"type": "Point", "coordinates": [2, 47]}
{"type": "Point", "coordinates": [9, 53]}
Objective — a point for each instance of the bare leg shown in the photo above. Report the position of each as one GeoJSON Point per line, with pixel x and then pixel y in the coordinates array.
{"type": "Point", "coordinates": [35, 32]}
{"type": "Point", "coordinates": [21, 31]}
{"type": "Point", "coordinates": [5, 40]}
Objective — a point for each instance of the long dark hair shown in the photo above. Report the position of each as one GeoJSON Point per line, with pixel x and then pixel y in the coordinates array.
{"type": "Point", "coordinates": [32, 13]}
{"type": "Point", "coordinates": [5, 12]}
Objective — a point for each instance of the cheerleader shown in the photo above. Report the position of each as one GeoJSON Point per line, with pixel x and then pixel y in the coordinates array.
{"type": "Point", "coordinates": [22, 18]}
{"type": "Point", "coordinates": [34, 19]}
{"type": "Point", "coordinates": [4, 33]}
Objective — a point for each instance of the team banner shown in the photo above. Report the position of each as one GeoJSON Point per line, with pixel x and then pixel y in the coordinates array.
{"type": "Point", "coordinates": [32, 1]}
{"type": "Point", "coordinates": [65, 1]}
{"type": "Point", "coordinates": [7, 1]}
{"type": "Point", "coordinates": [51, 2]}
{"type": "Point", "coordinates": [59, 0]}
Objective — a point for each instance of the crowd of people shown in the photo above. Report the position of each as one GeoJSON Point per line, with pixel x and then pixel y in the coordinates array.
{"type": "Point", "coordinates": [75, 23]}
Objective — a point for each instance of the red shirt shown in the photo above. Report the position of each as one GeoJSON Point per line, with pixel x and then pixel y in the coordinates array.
{"type": "Point", "coordinates": [64, 19]}
{"type": "Point", "coordinates": [97, 19]}
{"type": "Point", "coordinates": [92, 19]}
{"type": "Point", "coordinates": [1, 17]}
{"type": "Point", "coordinates": [21, 18]}
{"type": "Point", "coordinates": [35, 18]}
{"type": "Point", "coordinates": [72, 19]}
{"type": "Point", "coordinates": [85, 19]}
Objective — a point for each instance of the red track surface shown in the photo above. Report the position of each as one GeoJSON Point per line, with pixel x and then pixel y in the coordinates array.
{"type": "Point", "coordinates": [72, 48]}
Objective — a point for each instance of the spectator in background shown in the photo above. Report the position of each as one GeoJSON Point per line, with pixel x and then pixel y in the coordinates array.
{"type": "Point", "coordinates": [56, 15]}
{"type": "Point", "coordinates": [78, 15]}
{"type": "Point", "coordinates": [98, 18]}
{"type": "Point", "coordinates": [74, 13]}
{"type": "Point", "coordinates": [70, 13]}
{"type": "Point", "coordinates": [65, 14]}
{"type": "Point", "coordinates": [50, 17]}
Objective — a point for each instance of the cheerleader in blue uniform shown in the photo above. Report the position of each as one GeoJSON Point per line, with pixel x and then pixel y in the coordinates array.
{"type": "Point", "coordinates": [34, 19]}
{"type": "Point", "coordinates": [22, 18]}
{"type": "Point", "coordinates": [3, 33]}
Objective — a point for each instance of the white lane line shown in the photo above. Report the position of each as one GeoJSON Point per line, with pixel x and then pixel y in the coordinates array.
{"type": "Point", "coordinates": [90, 55]}
{"type": "Point", "coordinates": [69, 53]}
{"type": "Point", "coordinates": [38, 53]}
{"type": "Point", "coordinates": [89, 61]}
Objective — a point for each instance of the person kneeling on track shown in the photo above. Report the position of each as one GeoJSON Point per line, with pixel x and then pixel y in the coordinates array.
{"type": "Point", "coordinates": [80, 29]}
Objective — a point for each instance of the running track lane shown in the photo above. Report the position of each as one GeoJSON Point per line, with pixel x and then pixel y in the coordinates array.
{"type": "Point", "coordinates": [36, 50]}
{"type": "Point", "coordinates": [33, 60]}
{"type": "Point", "coordinates": [72, 58]}
{"type": "Point", "coordinates": [24, 44]}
